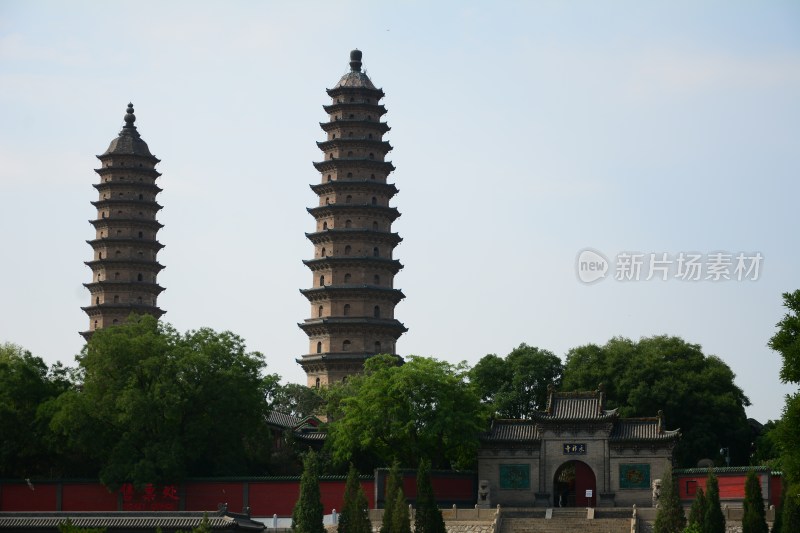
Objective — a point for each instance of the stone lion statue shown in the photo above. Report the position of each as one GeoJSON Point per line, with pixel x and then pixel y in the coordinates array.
{"type": "Point", "coordinates": [656, 491]}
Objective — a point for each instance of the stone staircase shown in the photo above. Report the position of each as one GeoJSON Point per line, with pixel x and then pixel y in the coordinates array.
{"type": "Point", "coordinates": [573, 520]}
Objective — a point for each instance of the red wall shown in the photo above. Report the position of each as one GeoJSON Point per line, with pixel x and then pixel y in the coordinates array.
{"type": "Point", "coordinates": [87, 497]}
{"type": "Point", "coordinates": [206, 496]}
{"type": "Point", "coordinates": [20, 497]}
{"type": "Point", "coordinates": [731, 486]}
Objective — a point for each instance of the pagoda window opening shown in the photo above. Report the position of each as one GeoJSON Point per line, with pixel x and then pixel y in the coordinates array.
{"type": "Point", "coordinates": [348, 223]}
{"type": "Point", "coordinates": [324, 225]}
{"type": "Point", "coordinates": [329, 177]}
{"type": "Point", "coordinates": [352, 99]}
{"type": "Point", "coordinates": [95, 324]}
{"type": "Point", "coordinates": [369, 136]}
{"type": "Point", "coordinates": [347, 278]}
{"type": "Point", "coordinates": [347, 249]}
{"type": "Point", "coordinates": [352, 115]}
{"type": "Point", "coordinates": [119, 211]}
{"type": "Point", "coordinates": [104, 214]}
{"type": "Point", "coordinates": [319, 311]}
{"type": "Point", "coordinates": [346, 346]}
{"type": "Point", "coordinates": [100, 255]}
{"type": "Point", "coordinates": [346, 310]}
{"type": "Point", "coordinates": [139, 300]}
{"type": "Point", "coordinates": [117, 252]}
{"type": "Point", "coordinates": [327, 201]}
{"type": "Point", "coordinates": [322, 281]}
{"type": "Point", "coordinates": [116, 298]}
{"type": "Point", "coordinates": [377, 346]}
{"type": "Point", "coordinates": [348, 199]}
{"type": "Point", "coordinates": [350, 153]}
{"type": "Point", "coordinates": [333, 136]}
{"type": "Point", "coordinates": [368, 101]}
{"type": "Point", "coordinates": [344, 379]}
{"type": "Point", "coordinates": [376, 279]}
{"type": "Point", "coordinates": [317, 382]}
{"type": "Point", "coordinates": [350, 134]}
{"type": "Point", "coordinates": [376, 252]}
{"type": "Point", "coordinates": [375, 225]}
{"type": "Point", "coordinates": [114, 321]}
{"type": "Point", "coordinates": [141, 197]}
{"type": "Point", "coordinates": [371, 155]}
{"type": "Point", "coordinates": [376, 312]}
{"type": "Point", "coordinates": [141, 235]}
{"type": "Point", "coordinates": [116, 275]}
{"type": "Point", "coordinates": [323, 252]}
{"type": "Point", "coordinates": [369, 117]}
{"type": "Point", "coordinates": [374, 201]}
{"type": "Point", "coordinates": [139, 277]}
{"type": "Point", "coordinates": [97, 301]}
{"type": "Point", "coordinates": [372, 176]}
{"type": "Point", "coordinates": [119, 232]}
{"type": "Point", "coordinates": [319, 350]}
{"type": "Point", "coordinates": [349, 174]}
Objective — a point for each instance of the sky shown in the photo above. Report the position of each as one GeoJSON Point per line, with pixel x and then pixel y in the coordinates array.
{"type": "Point", "coordinates": [524, 133]}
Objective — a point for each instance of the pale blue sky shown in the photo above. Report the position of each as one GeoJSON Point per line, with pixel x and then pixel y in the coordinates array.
{"type": "Point", "coordinates": [523, 132]}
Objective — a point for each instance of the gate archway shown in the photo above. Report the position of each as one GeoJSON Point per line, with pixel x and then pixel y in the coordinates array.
{"type": "Point", "coordinates": [570, 483]}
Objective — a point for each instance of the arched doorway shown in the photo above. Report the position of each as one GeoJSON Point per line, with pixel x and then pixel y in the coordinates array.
{"type": "Point", "coordinates": [570, 485]}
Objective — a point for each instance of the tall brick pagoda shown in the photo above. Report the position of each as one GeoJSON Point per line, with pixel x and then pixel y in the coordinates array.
{"type": "Point", "coordinates": [124, 266]}
{"type": "Point", "coordinates": [352, 296]}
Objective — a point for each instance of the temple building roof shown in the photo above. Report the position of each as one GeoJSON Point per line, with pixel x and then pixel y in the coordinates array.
{"type": "Point", "coordinates": [574, 408]}
{"type": "Point", "coordinates": [355, 78]}
{"type": "Point", "coordinates": [129, 142]}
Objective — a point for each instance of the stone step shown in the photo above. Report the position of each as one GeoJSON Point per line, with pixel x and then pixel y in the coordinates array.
{"type": "Point", "coordinates": [565, 525]}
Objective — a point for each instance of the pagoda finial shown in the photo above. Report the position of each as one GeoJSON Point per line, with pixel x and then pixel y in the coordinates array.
{"type": "Point", "coordinates": [355, 60]}
{"type": "Point", "coordinates": [130, 118]}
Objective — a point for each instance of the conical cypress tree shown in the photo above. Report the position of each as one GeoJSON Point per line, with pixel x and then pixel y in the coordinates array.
{"type": "Point", "coordinates": [401, 521]}
{"type": "Point", "coordinates": [428, 517]}
{"type": "Point", "coordinates": [670, 517]}
{"type": "Point", "coordinates": [354, 517]}
{"type": "Point", "coordinates": [698, 511]}
{"type": "Point", "coordinates": [790, 517]}
{"type": "Point", "coordinates": [308, 513]}
{"type": "Point", "coordinates": [755, 516]}
{"type": "Point", "coordinates": [713, 521]}
{"type": "Point", "coordinates": [393, 484]}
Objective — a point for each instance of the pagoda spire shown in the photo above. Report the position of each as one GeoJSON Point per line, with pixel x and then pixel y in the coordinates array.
{"type": "Point", "coordinates": [124, 265]}
{"type": "Point", "coordinates": [352, 295]}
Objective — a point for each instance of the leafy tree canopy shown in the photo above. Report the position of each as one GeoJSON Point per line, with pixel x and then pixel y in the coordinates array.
{"type": "Point", "coordinates": [156, 406]}
{"type": "Point", "coordinates": [696, 392]}
{"type": "Point", "coordinates": [26, 387]}
{"type": "Point", "coordinates": [423, 408]}
{"type": "Point", "coordinates": [296, 400]}
{"type": "Point", "coordinates": [517, 385]}
{"type": "Point", "coordinates": [786, 341]}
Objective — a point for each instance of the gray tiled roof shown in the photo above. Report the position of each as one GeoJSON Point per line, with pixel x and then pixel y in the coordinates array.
{"type": "Point", "coordinates": [512, 431]}
{"type": "Point", "coordinates": [355, 79]}
{"type": "Point", "coordinates": [575, 406]}
{"type": "Point", "coordinates": [117, 520]}
{"type": "Point", "coordinates": [641, 429]}
{"type": "Point", "coordinates": [282, 419]}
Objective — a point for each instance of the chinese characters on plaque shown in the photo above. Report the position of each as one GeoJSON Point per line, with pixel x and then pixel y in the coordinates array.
{"type": "Point", "coordinates": [573, 448]}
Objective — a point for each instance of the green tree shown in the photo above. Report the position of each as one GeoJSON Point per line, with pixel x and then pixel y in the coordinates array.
{"type": "Point", "coordinates": [714, 521]}
{"type": "Point", "coordinates": [697, 512]}
{"type": "Point", "coordinates": [754, 519]}
{"type": "Point", "coordinates": [696, 392]}
{"type": "Point", "coordinates": [790, 514]}
{"type": "Point", "coordinates": [156, 406]}
{"type": "Point", "coordinates": [68, 527]}
{"type": "Point", "coordinates": [393, 485]}
{"type": "Point", "coordinates": [308, 512]}
{"type": "Point", "coordinates": [296, 400]}
{"type": "Point", "coordinates": [401, 521]}
{"type": "Point", "coordinates": [786, 341]}
{"type": "Point", "coordinates": [423, 408]}
{"type": "Point", "coordinates": [428, 517]}
{"type": "Point", "coordinates": [517, 385]}
{"type": "Point", "coordinates": [354, 517]}
{"type": "Point", "coordinates": [670, 517]}
{"type": "Point", "coordinates": [27, 385]}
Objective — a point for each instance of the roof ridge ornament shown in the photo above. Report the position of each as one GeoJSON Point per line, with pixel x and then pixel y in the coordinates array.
{"type": "Point", "coordinates": [129, 128]}
{"type": "Point", "coordinates": [355, 60]}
